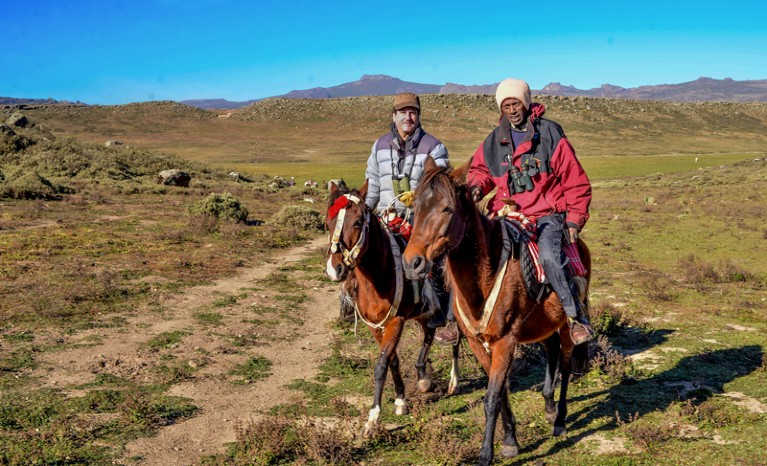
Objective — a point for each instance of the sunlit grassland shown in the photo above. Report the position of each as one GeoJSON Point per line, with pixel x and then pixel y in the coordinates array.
{"type": "Point", "coordinates": [677, 262]}
{"type": "Point", "coordinates": [677, 246]}
{"type": "Point", "coordinates": [598, 168]}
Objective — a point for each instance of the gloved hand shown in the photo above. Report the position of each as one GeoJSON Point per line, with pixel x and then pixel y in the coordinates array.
{"type": "Point", "coordinates": [476, 194]}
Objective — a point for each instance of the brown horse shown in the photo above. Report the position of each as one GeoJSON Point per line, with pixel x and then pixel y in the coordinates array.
{"type": "Point", "coordinates": [494, 315]}
{"type": "Point", "coordinates": [367, 257]}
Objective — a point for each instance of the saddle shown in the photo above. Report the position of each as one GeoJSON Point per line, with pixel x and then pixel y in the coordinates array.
{"type": "Point", "coordinates": [537, 285]}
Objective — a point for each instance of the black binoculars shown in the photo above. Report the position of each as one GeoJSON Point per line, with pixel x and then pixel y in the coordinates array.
{"type": "Point", "coordinates": [401, 183]}
{"type": "Point", "coordinates": [521, 180]}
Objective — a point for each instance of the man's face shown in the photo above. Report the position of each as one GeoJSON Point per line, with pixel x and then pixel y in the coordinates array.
{"type": "Point", "coordinates": [514, 110]}
{"type": "Point", "coordinates": [406, 120]}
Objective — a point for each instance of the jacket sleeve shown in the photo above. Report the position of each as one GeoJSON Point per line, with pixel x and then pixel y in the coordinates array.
{"type": "Point", "coordinates": [479, 175]}
{"type": "Point", "coordinates": [439, 154]}
{"type": "Point", "coordinates": [374, 180]}
{"type": "Point", "coordinates": [576, 186]}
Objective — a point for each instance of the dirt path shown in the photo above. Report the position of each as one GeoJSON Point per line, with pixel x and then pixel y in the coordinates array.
{"type": "Point", "coordinates": [295, 345]}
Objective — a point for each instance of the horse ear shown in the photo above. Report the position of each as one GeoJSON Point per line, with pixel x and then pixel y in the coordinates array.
{"type": "Point", "coordinates": [429, 164]}
{"type": "Point", "coordinates": [460, 174]}
{"type": "Point", "coordinates": [332, 187]}
{"type": "Point", "coordinates": [364, 189]}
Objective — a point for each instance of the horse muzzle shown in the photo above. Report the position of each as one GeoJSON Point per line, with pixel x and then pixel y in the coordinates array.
{"type": "Point", "coordinates": [416, 268]}
{"type": "Point", "coordinates": [336, 272]}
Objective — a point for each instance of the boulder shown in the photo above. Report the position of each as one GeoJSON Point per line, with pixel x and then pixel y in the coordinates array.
{"type": "Point", "coordinates": [17, 119]}
{"type": "Point", "coordinates": [238, 177]}
{"type": "Point", "coordinates": [174, 177]}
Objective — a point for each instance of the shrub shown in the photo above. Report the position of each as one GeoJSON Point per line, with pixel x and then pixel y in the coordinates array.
{"type": "Point", "coordinates": [612, 363]}
{"type": "Point", "coordinates": [300, 217]}
{"type": "Point", "coordinates": [29, 186]}
{"type": "Point", "coordinates": [606, 319]}
{"type": "Point", "coordinates": [221, 206]}
{"type": "Point", "coordinates": [699, 273]}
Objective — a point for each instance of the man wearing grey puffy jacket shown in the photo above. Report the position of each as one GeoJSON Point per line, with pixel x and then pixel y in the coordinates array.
{"type": "Point", "coordinates": [396, 161]}
{"type": "Point", "coordinates": [395, 166]}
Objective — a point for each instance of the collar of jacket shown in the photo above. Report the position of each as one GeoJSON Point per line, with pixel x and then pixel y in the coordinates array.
{"type": "Point", "coordinates": [411, 142]}
{"type": "Point", "coordinates": [533, 119]}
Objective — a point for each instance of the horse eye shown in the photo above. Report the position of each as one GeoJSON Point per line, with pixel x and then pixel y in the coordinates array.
{"type": "Point", "coordinates": [358, 224]}
{"type": "Point", "coordinates": [447, 210]}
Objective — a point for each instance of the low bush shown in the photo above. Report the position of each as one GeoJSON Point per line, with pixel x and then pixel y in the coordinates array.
{"type": "Point", "coordinates": [300, 217]}
{"type": "Point", "coordinates": [220, 206]}
{"type": "Point", "coordinates": [29, 186]}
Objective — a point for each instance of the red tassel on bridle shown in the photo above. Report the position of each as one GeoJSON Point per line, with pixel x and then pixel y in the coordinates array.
{"type": "Point", "coordinates": [342, 202]}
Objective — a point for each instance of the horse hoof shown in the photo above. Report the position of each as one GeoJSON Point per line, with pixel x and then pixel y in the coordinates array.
{"type": "Point", "coordinates": [509, 451]}
{"type": "Point", "coordinates": [551, 417]}
{"type": "Point", "coordinates": [401, 410]}
{"type": "Point", "coordinates": [424, 385]}
{"type": "Point", "coordinates": [368, 431]}
{"type": "Point", "coordinates": [559, 431]}
{"type": "Point", "coordinates": [452, 390]}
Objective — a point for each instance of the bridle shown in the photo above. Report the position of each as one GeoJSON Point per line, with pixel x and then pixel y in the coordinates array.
{"type": "Point", "coordinates": [336, 245]}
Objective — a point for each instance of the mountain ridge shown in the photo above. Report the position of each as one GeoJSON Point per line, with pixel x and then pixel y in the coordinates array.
{"type": "Point", "coordinates": [703, 89]}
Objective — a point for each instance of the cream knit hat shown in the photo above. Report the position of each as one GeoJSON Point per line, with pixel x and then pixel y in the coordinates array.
{"type": "Point", "coordinates": [516, 88]}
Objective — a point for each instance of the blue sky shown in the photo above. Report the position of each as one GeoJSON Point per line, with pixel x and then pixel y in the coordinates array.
{"type": "Point", "coordinates": [112, 52]}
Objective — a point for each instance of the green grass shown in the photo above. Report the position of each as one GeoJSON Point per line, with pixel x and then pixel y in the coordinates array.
{"type": "Point", "coordinates": [679, 280]}
{"type": "Point", "coordinates": [255, 368]}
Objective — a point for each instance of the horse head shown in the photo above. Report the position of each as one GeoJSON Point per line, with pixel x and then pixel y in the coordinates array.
{"type": "Point", "coordinates": [440, 203]}
{"type": "Point", "coordinates": [347, 220]}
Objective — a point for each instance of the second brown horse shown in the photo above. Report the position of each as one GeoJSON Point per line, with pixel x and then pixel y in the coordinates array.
{"type": "Point", "coordinates": [448, 223]}
{"type": "Point", "coordinates": [367, 258]}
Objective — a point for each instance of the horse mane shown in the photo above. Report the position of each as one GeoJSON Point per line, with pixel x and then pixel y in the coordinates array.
{"type": "Point", "coordinates": [442, 186]}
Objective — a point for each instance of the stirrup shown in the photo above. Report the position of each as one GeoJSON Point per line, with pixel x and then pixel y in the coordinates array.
{"type": "Point", "coordinates": [579, 332]}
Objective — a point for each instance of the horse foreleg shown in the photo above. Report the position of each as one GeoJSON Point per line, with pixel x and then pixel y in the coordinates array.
{"type": "Point", "coordinates": [550, 381]}
{"type": "Point", "coordinates": [452, 388]}
{"type": "Point", "coordinates": [566, 366]}
{"type": "Point", "coordinates": [424, 379]}
{"type": "Point", "coordinates": [510, 446]}
{"type": "Point", "coordinates": [387, 340]}
{"type": "Point", "coordinates": [500, 363]}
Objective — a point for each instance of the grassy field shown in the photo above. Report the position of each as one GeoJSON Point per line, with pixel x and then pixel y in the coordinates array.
{"type": "Point", "coordinates": [678, 235]}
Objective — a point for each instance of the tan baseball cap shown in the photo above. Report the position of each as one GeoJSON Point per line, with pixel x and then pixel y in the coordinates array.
{"type": "Point", "coordinates": [406, 99]}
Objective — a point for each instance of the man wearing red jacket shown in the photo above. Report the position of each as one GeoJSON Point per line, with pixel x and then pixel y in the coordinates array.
{"type": "Point", "coordinates": [530, 161]}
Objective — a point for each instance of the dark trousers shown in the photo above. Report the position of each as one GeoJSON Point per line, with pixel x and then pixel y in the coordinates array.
{"type": "Point", "coordinates": [551, 231]}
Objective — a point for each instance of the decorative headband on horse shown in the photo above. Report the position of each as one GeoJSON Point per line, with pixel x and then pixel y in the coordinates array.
{"type": "Point", "coordinates": [339, 209]}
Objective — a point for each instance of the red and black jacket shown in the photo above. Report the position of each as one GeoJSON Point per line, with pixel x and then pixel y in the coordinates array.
{"type": "Point", "coordinates": [560, 184]}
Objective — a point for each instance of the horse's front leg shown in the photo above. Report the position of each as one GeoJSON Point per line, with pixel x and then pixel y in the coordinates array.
{"type": "Point", "coordinates": [424, 379]}
{"type": "Point", "coordinates": [387, 340]}
{"type": "Point", "coordinates": [452, 388]}
{"type": "Point", "coordinates": [501, 359]}
{"type": "Point", "coordinates": [510, 446]}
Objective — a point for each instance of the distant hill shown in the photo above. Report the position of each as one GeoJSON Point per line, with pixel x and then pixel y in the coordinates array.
{"type": "Point", "coordinates": [375, 84]}
{"type": "Point", "coordinates": [222, 104]}
{"type": "Point", "coordinates": [700, 90]}
{"type": "Point", "coordinates": [48, 101]}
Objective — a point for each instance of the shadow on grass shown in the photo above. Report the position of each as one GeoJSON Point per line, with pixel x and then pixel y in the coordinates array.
{"type": "Point", "coordinates": [696, 377]}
